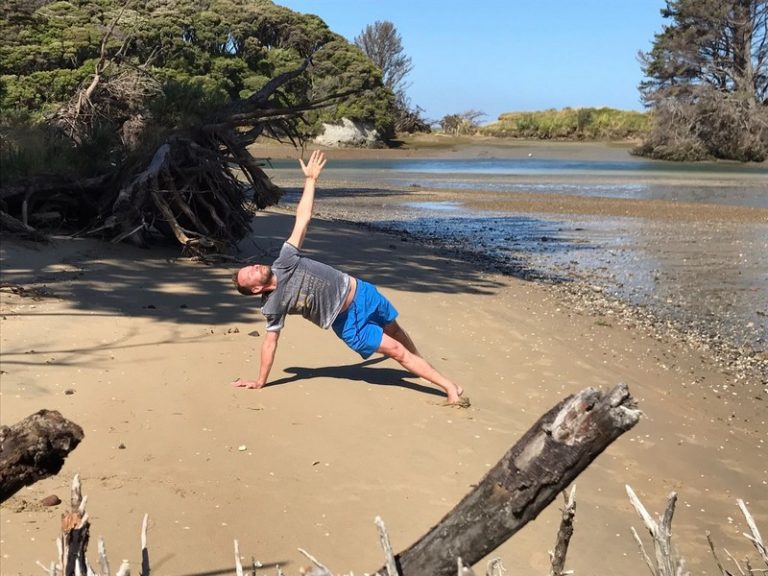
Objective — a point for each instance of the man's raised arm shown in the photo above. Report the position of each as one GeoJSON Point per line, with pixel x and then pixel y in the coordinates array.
{"type": "Point", "coordinates": [311, 171]}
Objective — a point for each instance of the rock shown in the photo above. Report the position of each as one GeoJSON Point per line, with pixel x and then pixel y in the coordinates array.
{"type": "Point", "coordinates": [51, 500]}
{"type": "Point", "coordinates": [349, 133]}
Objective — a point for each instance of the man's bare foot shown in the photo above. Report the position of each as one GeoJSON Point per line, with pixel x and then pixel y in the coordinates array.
{"type": "Point", "coordinates": [457, 400]}
{"type": "Point", "coordinates": [252, 384]}
{"type": "Point", "coordinates": [461, 402]}
{"type": "Point", "coordinates": [454, 396]}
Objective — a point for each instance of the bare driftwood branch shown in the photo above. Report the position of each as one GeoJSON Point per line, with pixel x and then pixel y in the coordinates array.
{"type": "Point", "coordinates": [387, 547]}
{"type": "Point", "coordinates": [557, 556]}
{"type": "Point", "coordinates": [742, 571]}
{"type": "Point", "coordinates": [72, 543]}
{"type": "Point", "coordinates": [8, 222]}
{"type": "Point", "coordinates": [275, 83]}
{"type": "Point", "coordinates": [525, 481]}
{"type": "Point", "coordinates": [238, 563]}
{"type": "Point", "coordinates": [35, 448]}
{"type": "Point", "coordinates": [666, 561]}
{"type": "Point", "coordinates": [144, 549]}
{"type": "Point", "coordinates": [723, 571]}
{"type": "Point", "coordinates": [317, 568]}
{"type": "Point", "coordinates": [495, 568]}
{"type": "Point", "coordinates": [755, 536]}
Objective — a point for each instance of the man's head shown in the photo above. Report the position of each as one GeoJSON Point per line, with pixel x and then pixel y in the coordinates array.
{"type": "Point", "coordinates": [254, 279]}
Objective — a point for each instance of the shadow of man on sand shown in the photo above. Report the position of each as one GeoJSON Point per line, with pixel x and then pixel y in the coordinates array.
{"type": "Point", "coordinates": [364, 371]}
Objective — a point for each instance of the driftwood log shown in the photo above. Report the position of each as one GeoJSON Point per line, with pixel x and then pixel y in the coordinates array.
{"type": "Point", "coordinates": [34, 448]}
{"type": "Point", "coordinates": [559, 446]}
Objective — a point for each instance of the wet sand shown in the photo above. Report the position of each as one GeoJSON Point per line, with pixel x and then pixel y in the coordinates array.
{"type": "Point", "coordinates": [139, 347]}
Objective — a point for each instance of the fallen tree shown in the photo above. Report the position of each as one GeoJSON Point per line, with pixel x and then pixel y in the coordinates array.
{"type": "Point", "coordinates": [34, 448]}
{"type": "Point", "coordinates": [198, 186]}
{"type": "Point", "coordinates": [132, 166]}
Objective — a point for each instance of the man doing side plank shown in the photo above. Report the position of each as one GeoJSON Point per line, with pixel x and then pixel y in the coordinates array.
{"type": "Point", "coordinates": [353, 308]}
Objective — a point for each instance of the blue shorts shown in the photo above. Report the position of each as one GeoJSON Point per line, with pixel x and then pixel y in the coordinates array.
{"type": "Point", "coordinates": [361, 326]}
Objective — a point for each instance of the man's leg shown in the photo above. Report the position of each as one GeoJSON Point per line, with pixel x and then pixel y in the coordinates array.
{"type": "Point", "coordinates": [418, 366]}
{"type": "Point", "coordinates": [396, 331]}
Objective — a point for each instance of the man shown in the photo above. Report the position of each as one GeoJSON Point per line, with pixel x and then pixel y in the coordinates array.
{"type": "Point", "coordinates": [356, 311]}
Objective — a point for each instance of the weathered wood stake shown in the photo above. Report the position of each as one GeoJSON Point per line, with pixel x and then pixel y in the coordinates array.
{"type": "Point", "coordinates": [564, 534]}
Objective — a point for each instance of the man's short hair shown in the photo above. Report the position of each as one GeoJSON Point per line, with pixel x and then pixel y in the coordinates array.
{"type": "Point", "coordinates": [242, 289]}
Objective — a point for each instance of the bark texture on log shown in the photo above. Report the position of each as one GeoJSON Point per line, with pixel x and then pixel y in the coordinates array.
{"type": "Point", "coordinates": [525, 481]}
{"type": "Point", "coordinates": [34, 448]}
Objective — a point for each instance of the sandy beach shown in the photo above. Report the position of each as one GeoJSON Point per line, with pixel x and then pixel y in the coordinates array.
{"type": "Point", "coordinates": [139, 348]}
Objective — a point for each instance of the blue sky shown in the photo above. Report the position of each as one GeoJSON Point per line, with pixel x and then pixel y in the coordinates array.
{"type": "Point", "coordinates": [500, 56]}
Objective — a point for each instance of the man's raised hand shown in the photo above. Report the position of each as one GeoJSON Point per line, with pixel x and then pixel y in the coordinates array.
{"type": "Point", "coordinates": [314, 166]}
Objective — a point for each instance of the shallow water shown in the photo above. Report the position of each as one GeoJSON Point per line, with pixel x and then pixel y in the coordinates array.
{"type": "Point", "coordinates": [709, 276]}
{"type": "Point", "coordinates": [635, 178]}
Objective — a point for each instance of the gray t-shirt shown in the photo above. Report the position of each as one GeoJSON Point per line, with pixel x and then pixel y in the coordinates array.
{"type": "Point", "coordinates": [304, 286]}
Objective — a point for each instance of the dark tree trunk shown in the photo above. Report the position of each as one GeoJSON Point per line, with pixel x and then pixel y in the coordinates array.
{"type": "Point", "coordinates": [34, 448]}
{"type": "Point", "coordinates": [527, 478]}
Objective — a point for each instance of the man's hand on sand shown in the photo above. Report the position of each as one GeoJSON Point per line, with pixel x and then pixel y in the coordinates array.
{"type": "Point", "coordinates": [252, 384]}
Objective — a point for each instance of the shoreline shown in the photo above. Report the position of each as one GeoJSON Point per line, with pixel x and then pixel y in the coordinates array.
{"type": "Point", "coordinates": [441, 146]}
{"type": "Point", "coordinates": [744, 364]}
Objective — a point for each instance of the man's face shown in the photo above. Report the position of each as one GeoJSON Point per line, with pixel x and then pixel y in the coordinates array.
{"type": "Point", "coordinates": [255, 277]}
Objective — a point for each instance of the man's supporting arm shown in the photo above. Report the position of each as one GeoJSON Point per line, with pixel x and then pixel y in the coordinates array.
{"type": "Point", "coordinates": [268, 350]}
{"type": "Point", "coordinates": [306, 204]}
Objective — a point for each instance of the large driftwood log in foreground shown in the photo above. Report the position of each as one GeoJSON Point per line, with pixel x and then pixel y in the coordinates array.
{"type": "Point", "coordinates": [34, 449]}
{"type": "Point", "coordinates": [528, 477]}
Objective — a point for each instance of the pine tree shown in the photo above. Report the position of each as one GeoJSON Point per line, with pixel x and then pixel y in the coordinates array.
{"type": "Point", "coordinates": [707, 81]}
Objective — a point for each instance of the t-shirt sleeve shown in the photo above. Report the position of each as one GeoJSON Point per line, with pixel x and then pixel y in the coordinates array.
{"type": "Point", "coordinates": [275, 322]}
{"type": "Point", "coordinates": [288, 257]}
{"type": "Point", "coordinates": [285, 263]}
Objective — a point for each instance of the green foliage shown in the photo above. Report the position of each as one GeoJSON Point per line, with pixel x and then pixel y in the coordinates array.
{"type": "Point", "coordinates": [29, 151]}
{"type": "Point", "coordinates": [338, 67]}
{"type": "Point", "coordinates": [235, 45]}
{"type": "Point", "coordinates": [41, 91]}
{"type": "Point", "coordinates": [186, 100]}
{"type": "Point", "coordinates": [571, 124]}
{"type": "Point", "coordinates": [205, 53]}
